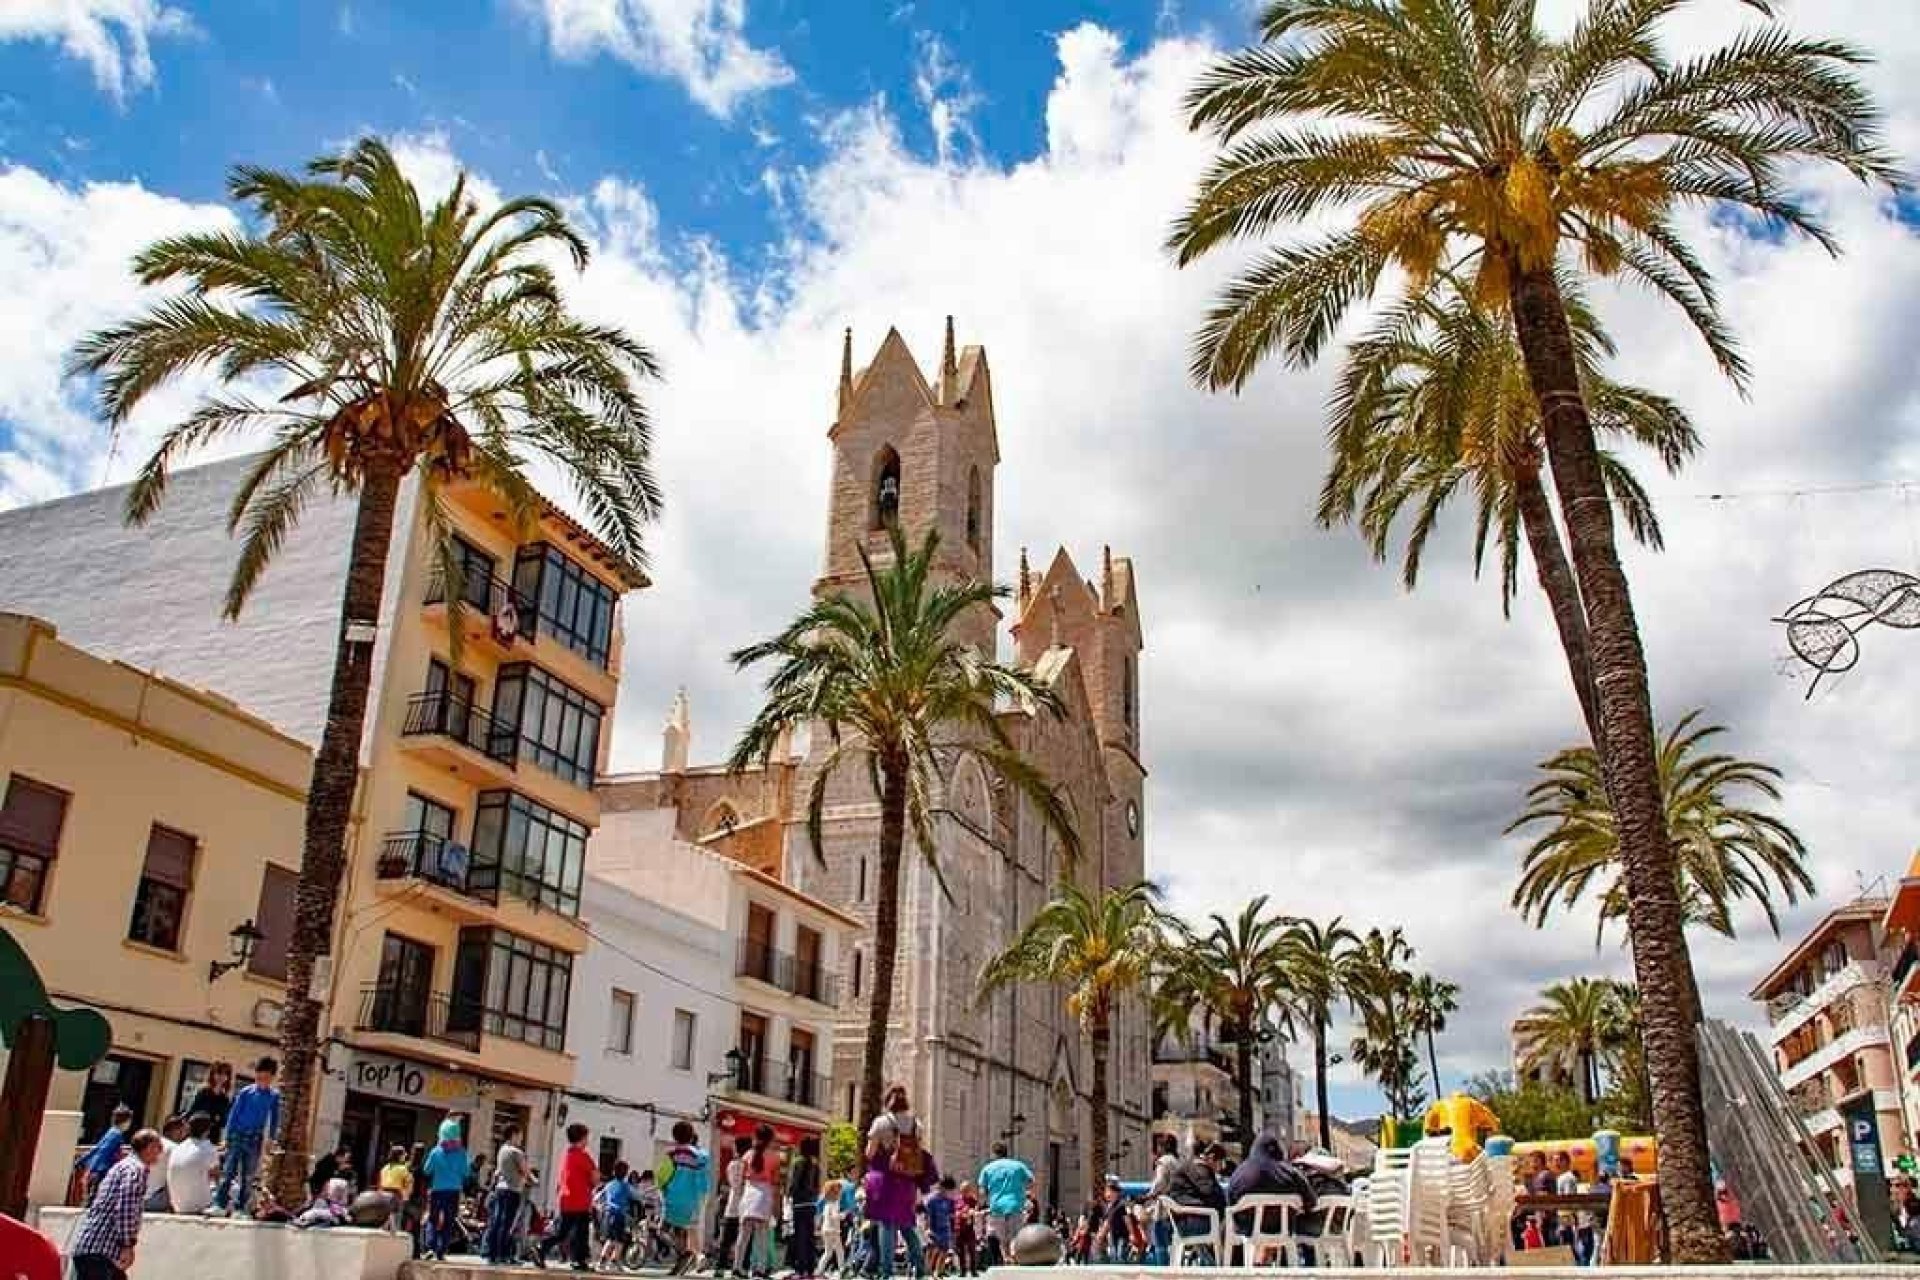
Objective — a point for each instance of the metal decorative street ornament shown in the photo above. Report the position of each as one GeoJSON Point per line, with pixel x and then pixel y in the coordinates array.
{"type": "Point", "coordinates": [1822, 629]}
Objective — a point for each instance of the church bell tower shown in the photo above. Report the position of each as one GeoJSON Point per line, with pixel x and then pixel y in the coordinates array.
{"type": "Point", "coordinates": [918, 451]}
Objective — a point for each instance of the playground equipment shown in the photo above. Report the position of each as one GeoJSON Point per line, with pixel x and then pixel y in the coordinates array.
{"type": "Point", "coordinates": [1602, 1153]}
{"type": "Point", "coordinates": [1467, 1119]}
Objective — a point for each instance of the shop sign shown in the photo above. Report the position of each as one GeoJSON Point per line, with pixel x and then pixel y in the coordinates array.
{"type": "Point", "coordinates": [729, 1124]}
{"type": "Point", "coordinates": [403, 1081]}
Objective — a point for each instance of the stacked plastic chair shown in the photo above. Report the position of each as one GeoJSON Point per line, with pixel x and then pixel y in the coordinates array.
{"type": "Point", "coordinates": [1390, 1206]}
{"type": "Point", "coordinates": [1430, 1176]}
{"type": "Point", "coordinates": [1500, 1211]}
{"type": "Point", "coordinates": [1469, 1214]}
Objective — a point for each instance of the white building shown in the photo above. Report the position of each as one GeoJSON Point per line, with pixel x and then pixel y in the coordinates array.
{"type": "Point", "coordinates": [653, 1013]}
{"type": "Point", "coordinates": [1281, 1109]}
{"type": "Point", "coordinates": [769, 1063]}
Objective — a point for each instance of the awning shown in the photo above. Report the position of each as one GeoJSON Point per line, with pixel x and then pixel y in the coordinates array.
{"type": "Point", "coordinates": [731, 1122]}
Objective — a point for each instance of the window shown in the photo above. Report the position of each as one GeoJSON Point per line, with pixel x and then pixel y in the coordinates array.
{"type": "Point", "coordinates": [575, 607]}
{"type": "Point", "coordinates": [166, 881]}
{"type": "Point", "coordinates": [532, 851]}
{"type": "Point", "coordinates": [193, 1075]}
{"type": "Point", "coordinates": [557, 725]}
{"type": "Point", "coordinates": [401, 999]}
{"type": "Point", "coordinates": [1126, 693]}
{"type": "Point", "coordinates": [30, 823]}
{"type": "Point", "coordinates": [859, 972]}
{"type": "Point", "coordinates": [1835, 958]}
{"type": "Point", "coordinates": [860, 886]}
{"type": "Point", "coordinates": [753, 1052]}
{"type": "Point", "coordinates": [886, 489]}
{"type": "Point", "coordinates": [421, 846]}
{"type": "Point", "coordinates": [800, 1068]}
{"type": "Point", "coordinates": [757, 954]}
{"type": "Point", "coordinates": [809, 982]}
{"type": "Point", "coordinates": [684, 1024]}
{"type": "Point", "coordinates": [274, 918]}
{"type": "Point", "coordinates": [528, 984]}
{"type": "Point", "coordinates": [620, 1023]}
{"type": "Point", "coordinates": [973, 508]}
{"type": "Point", "coordinates": [851, 1101]}
{"type": "Point", "coordinates": [476, 574]}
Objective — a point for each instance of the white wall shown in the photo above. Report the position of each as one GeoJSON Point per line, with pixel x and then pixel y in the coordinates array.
{"type": "Point", "coordinates": [667, 961]}
{"type": "Point", "coordinates": [237, 1249]}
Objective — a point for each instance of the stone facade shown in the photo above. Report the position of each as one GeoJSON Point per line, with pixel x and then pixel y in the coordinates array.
{"type": "Point", "coordinates": [924, 452]}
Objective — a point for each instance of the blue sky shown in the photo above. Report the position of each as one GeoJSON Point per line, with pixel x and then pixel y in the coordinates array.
{"type": "Point", "coordinates": [758, 174]}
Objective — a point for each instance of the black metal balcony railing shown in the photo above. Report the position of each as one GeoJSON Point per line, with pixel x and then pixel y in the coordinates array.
{"type": "Point", "coordinates": [810, 980]}
{"type": "Point", "coordinates": [444, 714]}
{"type": "Point", "coordinates": [490, 596]}
{"type": "Point", "coordinates": [1909, 955]}
{"type": "Point", "coordinates": [1174, 1051]}
{"type": "Point", "coordinates": [780, 1081]}
{"type": "Point", "coordinates": [403, 1010]}
{"type": "Point", "coordinates": [421, 855]}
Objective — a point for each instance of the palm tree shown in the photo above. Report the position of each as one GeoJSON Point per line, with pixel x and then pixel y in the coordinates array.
{"type": "Point", "coordinates": [1726, 851]}
{"type": "Point", "coordinates": [901, 697]}
{"type": "Point", "coordinates": [395, 340]}
{"type": "Point", "coordinates": [1097, 949]}
{"type": "Point", "coordinates": [1430, 1001]}
{"type": "Point", "coordinates": [1383, 989]}
{"type": "Point", "coordinates": [1573, 1024]}
{"type": "Point", "coordinates": [1630, 1097]}
{"type": "Point", "coordinates": [1434, 399]}
{"type": "Point", "coordinates": [1236, 971]}
{"type": "Point", "coordinates": [1321, 967]}
{"type": "Point", "coordinates": [1461, 138]}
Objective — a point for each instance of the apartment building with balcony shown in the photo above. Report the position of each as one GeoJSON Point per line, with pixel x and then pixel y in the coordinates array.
{"type": "Point", "coordinates": [1901, 925]}
{"type": "Point", "coordinates": [787, 952]}
{"type": "Point", "coordinates": [451, 976]}
{"type": "Point", "coordinates": [1828, 1026]}
{"type": "Point", "coordinates": [1194, 1094]}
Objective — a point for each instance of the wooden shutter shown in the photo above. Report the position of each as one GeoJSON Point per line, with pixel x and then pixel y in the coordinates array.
{"type": "Point", "coordinates": [170, 858]}
{"type": "Point", "coordinates": [32, 816]}
{"type": "Point", "coordinates": [274, 919]}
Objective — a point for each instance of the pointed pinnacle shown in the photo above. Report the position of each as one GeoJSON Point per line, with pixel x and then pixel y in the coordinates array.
{"type": "Point", "coordinates": [1026, 579]}
{"type": "Point", "coordinates": [846, 370]}
{"type": "Point", "coordinates": [949, 369]}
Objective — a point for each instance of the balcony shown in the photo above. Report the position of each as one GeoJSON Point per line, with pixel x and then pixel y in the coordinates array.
{"type": "Point", "coordinates": [780, 1082]}
{"type": "Point", "coordinates": [1836, 1050]}
{"type": "Point", "coordinates": [760, 961]}
{"type": "Point", "coordinates": [408, 857]}
{"type": "Point", "coordinates": [1789, 1012]}
{"type": "Point", "coordinates": [1174, 1052]}
{"type": "Point", "coordinates": [1904, 968]}
{"type": "Point", "coordinates": [451, 731]}
{"type": "Point", "coordinates": [397, 1010]}
{"type": "Point", "coordinates": [495, 613]}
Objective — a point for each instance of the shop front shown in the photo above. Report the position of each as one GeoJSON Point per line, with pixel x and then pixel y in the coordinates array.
{"type": "Point", "coordinates": [384, 1101]}
{"type": "Point", "coordinates": [731, 1122]}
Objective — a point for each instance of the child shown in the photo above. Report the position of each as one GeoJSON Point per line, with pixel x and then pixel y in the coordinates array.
{"type": "Point", "coordinates": [723, 1257]}
{"type": "Point", "coordinates": [573, 1197]}
{"type": "Point", "coordinates": [329, 1208]}
{"type": "Point", "coordinates": [759, 1204]}
{"type": "Point", "coordinates": [396, 1181]}
{"type": "Point", "coordinates": [252, 1122]}
{"type": "Point", "coordinates": [684, 1181]}
{"type": "Point", "coordinates": [616, 1204]}
{"type": "Point", "coordinates": [447, 1168]}
{"type": "Point", "coordinates": [940, 1206]}
{"type": "Point", "coordinates": [966, 1230]}
{"type": "Point", "coordinates": [833, 1225]}
{"type": "Point", "coordinates": [105, 1153]}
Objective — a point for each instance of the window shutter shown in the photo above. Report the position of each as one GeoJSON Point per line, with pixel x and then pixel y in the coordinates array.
{"type": "Point", "coordinates": [170, 857]}
{"type": "Point", "coordinates": [274, 919]}
{"type": "Point", "coordinates": [32, 816]}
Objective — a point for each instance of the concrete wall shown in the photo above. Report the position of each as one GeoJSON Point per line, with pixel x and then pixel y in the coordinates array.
{"type": "Point", "coordinates": [236, 1249]}
{"type": "Point", "coordinates": [132, 750]}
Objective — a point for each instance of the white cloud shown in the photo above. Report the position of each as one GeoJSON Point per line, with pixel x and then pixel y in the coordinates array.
{"type": "Point", "coordinates": [944, 89]}
{"type": "Point", "coordinates": [1314, 733]}
{"type": "Point", "coordinates": [113, 37]}
{"type": "Point", "coordinates": [701, 43]}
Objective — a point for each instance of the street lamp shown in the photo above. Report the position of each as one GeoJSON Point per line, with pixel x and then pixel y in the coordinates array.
{"type": "Point", "coordinates": [1015, 1128]}
{"type": "Point", "coordinates": [735, 1060]}
{"type": "Point", "coordinates": [243, 937]}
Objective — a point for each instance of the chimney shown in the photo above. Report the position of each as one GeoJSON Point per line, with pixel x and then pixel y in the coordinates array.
{"type": "Point", "coordinates": [677, 737]}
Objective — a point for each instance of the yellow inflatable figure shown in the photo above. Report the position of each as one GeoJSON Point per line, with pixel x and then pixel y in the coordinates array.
{"type": "Point", "coordinates": [1467, 1119]}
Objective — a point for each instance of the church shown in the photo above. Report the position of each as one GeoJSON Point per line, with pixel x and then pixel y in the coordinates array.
{"type": "Point", "coordinates": [924, 451]}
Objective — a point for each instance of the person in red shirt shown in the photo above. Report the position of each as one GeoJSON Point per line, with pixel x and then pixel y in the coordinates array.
{"type": "Point", "coordinates": [573, 1202]}
{"type": "Point", "coordinates": [25, 1254]}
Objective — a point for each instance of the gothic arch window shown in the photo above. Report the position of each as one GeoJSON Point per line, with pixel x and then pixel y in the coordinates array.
{"type": "Point", "coordinates": [886, 488]}
{"type": "Point", "coordinates": [973, 509]}
{"type": "Point", "coordinates": [720, 820]}
{"type": "Point", "coordinates": [1127, 705]}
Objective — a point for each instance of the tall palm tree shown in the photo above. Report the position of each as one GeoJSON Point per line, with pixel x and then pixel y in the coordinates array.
{"type": "Point", "coordinates": [1434, 399]}
{"type": "Point", "coordinates": [1236, 970]}
{"type": "Point", "coordinates": [904, 699]}
{"type": "Point", "coordinates": [1726, 851]}
{"type": "Point", "coordinates": [1383, 990]}
{"type": "Point", "coordinates": [1431, 1000]}
{"type": "Point", "coordinates": [1321, 965]}
{"type": "Point", "coordinates": [1572, 1026]}
{"type": "Point", "coordinates": [1461, 138]}
{"type": "Point", "coordinates": [1097, 949]}
{"type": "Point", "coordinates": [390, 339]}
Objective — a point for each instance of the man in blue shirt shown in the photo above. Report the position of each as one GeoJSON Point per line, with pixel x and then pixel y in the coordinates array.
{"type": "Point", "coordinates": [1004, 1181]}
{"type": "Point", "coordinates": [106, 1152]}
{"type": "Point", "coordinates": [251, 1124]}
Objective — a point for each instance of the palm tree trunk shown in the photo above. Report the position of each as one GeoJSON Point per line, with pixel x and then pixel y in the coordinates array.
{"type": "Point", "coordinates": [1562, 591]}
{"type": "Point", "coordinates": [1320, 1082]}
{"type": "Point", "coordinates": [1243, 1062]}
{"type": "Point", "coordinates": [1100, 1037]}
{"type": "Point", "coordinates": [1626, 748]}
{"type": "Point", "coordinates": [886, 933]}
{"type": "Point", "coordinates": [1433, 1062]}
{"type": "Point", "coordinates": [323, 855]}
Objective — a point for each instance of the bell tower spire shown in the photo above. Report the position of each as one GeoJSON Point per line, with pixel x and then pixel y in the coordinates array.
{"type": "Point", "coordinates": [846, 371]}
{"type": "Point", "coordinates": [949, 371]}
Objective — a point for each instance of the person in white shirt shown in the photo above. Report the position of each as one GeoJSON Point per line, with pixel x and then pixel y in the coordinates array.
{"type": "Point", "coordinates": [170, 1134]}
{"type": "Point", "coordinates": [190, 1167]}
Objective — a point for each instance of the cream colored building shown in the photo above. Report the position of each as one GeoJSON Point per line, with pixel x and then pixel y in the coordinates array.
{"type": "Point", "coordinates": [452, 965]}
{"type": "Point", "coordinates": [141, 822]}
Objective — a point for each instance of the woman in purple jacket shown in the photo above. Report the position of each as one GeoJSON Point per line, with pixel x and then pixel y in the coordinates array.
{"type": "Point", "coordinates": [899, 1168]}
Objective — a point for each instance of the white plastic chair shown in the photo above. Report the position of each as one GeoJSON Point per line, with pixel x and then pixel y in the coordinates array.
{"type": "Point", "coordinates": [1333, 1246]}
{"type": "Point", "coordinates": [1429, 1192]}
{"type": "Point", "coordinates": [1500, 1209]}
{"type": "Point", "coordinates": [1359, 1225]}
{"type": "Point", "coordinates": [1258, 1237]}
{"type": "Point", "coordinates": [1184, 1241]}
{"type": "Point", "coordinates": [1469, 1200]}
{"type": "Point", "coordinates": [1390, 1207]}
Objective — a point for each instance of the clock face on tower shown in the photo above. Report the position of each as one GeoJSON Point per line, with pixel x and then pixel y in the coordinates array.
{"type": "Point", "coordinates": [1133, 818]}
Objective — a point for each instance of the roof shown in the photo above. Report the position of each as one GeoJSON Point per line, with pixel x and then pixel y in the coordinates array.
{"type": "Point", "coordinates": [1867, 911]}
{"type": "Point", "coordinates": [1903, 912]}
{"type": "Point", "coordinates": [788, 891]}
{"type": "Point", "coordinates": [629, 575]}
